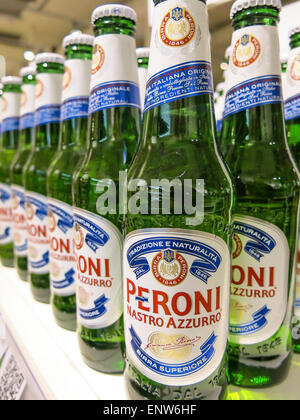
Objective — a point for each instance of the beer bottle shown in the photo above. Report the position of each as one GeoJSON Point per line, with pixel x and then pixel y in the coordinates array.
{"type": "Point", "coordinates": [265, 219]}
{"type": "Point", "coordinates": [74, 116]}
{"type": "Point", "coordinates": [219, 109]}
{"type": "Point", "coordinates": [1, 93]}
{"type": "Point", "coordinates": [26, 138]}
{"type": "Point", "coordinates": [176, 250]}
{"type": "Point", "coordinates": [292, 118]}
{"type": "Point", "coordinates": [11, 99]}
{"type": "Point", "coordinates": [50, 71]}
{"type": "Point", "coordinates": [112, 140]}
{"type": "Point", "coordinates": [143, 62]}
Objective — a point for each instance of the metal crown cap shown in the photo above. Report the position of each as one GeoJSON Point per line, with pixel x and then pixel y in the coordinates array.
{"type": "Point", "coordinates": [294, 31]}
{"type": "Point", "coordinates": [78, 38]}
{"type": "Point", "coordinates": [11, 80]}
{"type": "Point", "coordinates": [143, 52]}
{"type": "Point", "coordinates": [48, 57]}
{"type": "Point", "coordinates": [25, 71]}
{"type": "Point", "coordinates": [239, 5]}
{"type": "Point", "coordinates": [114, 10]}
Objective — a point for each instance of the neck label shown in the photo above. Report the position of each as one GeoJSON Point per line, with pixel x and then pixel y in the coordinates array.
{"type": "Point", "coordinates": [254, 76]}
{"type": "Point", "coordinates": [292, 86]}
{"type": "Point", "coordinates": [76, 88]}
{"type": "Point", "coordinates": [114, 81]}
{"type": "Point", "coordinates": [10, 111]}
{"type": "Point", "coordinates": [48, 98]}
{"type": "Point", "coordinates": [27, 106]}
{"type": "Point", "coordinates": [180, 59]}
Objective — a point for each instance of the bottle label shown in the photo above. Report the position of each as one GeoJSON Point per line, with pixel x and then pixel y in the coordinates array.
{"type": "Point", "coordinates": [98, 253]}
{"type": "Point", "coordinates": [114, 81]}
{"type": "Point", "coordinates": [254, 76]}
{"type": "Point", "coordinates": [48, 98]}
{"type": "Point", "coordinates": [19, 221]}
{"type": "Point", "coordinates": [292, 86]}
{"type": "Point", "coordinates": [180, 58]}
{"type": "Point", "coordinates": [38, 239]}
{"type": "Point", "coordinates": [62, 259]}
{"type": "Point", "coordinates": [76, 89]}
{"type": "Point", "coordinates": [176, 303]}
{"type": "Point", "coordinates": [27, 106]}
{"type": "Point", "coordinates": [260, 275]}
{"type": "Point", "coordinates": [10, 115]}
{"type": "Point", "coordinates": [6, 219]}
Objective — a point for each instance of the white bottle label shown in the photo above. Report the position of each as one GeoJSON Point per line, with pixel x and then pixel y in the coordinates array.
{"type": "Point", "coordinates": [6, 220]}
{"type": "Point", "coordinates": [180, 59]}
{"type": "Point", "coordinates": [143, 75]}
{"type": "Point", "coordinates": [62, 258]}
{"type": "Point", "coordinates": [292, 86]}
{"type": "Point", "coordinates": [98, 252]}
{"type": "Point", "coordinates": [10, 115]}
{"type": "Point", "coordinates": [19, 221]}
{"type": "Point", "coordinates": [27, 106]}
{"type": "Point", "coordinates": [260, 276]}
{"type": "Point", "coordinates": [38, 239]}
{"type": "Point", "coordinates": [176, 303]}
{"type": "Point", "coordinates": [48, 98]}
{"type": "Point", "coordinates": [76, 89]}
{"type": "Point", "coordinates": [254, 76]}
{"type": "Point", "coordinates": [114, 81]}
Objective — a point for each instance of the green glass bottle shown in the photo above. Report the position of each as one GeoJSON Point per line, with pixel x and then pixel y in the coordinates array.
{"type": "Point", "coordinates": [112, 141]}
{"type": "Point", "coordinates": [292, 118]}
{"type": "Point", "coordinates": [10, 115]}
{"type": "Point", "coordinates": [143, 63]}
{"type": "Point", "coordinates": [74, 117]}
{"type": "Point", "coordinates": [28, 75]}
{"type": "Point", "coordinates": [176, 267]}
{"type": "Point", "coordinates": [50, 71]}
{"type": "Point", "coordinates": [219, 108]}
{"type": "Point", "coordinates": [265, 220]}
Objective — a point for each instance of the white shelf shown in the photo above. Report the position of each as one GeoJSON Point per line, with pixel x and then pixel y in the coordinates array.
{"type": "Point", "coordinates": [51, 354]}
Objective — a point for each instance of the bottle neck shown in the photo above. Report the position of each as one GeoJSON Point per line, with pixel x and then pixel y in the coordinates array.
{"type": "Point", "coordinates": [114, 105]}
{"type": "Point", "coordinates": [254, 95]}
{"type": "Point", "coordinates": [143, 62]}
{"type": "Point", "coordinates": [76, 85]}
{"type": "Point", "coordinates": [10, 116]}
{"type": "Point", "coordinates": [48, 104]}
{"type": "Point", "coordinates": [179, 96]}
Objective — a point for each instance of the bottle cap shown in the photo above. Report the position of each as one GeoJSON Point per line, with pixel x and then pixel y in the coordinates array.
{"type": "Point", "coordinates": [113, 10]}
{"type": "Point", "coordinates": [78, 38]}
{"type": "Point", "coordinates": [11, 80]}
{"type": "Point", "coordinates": [294, 31]}
{"type": "Point", "coordinates": [47, 57]}
{"type": "Point", "coordinates": [143, 52]}
{"type": "Point", "coordinates": [239, 5]}
{"type": "Point", "coordinates": [25, 71]}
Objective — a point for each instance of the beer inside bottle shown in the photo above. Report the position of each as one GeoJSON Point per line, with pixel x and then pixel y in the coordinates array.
{"type": "Point", "coordinates": [292, 118]}
{"type": "Point", "coordinates": [176, 254]}
{"type": "Point", "coordinates": [265, 219]}
{"type": "Point", "coordinates": [143, 62]}
{"type": "Point", "coordinates": [26, 138]}
{"type": "Point", "coordinates": [11, 99]}
{"type": "Point", "coordinates": [114, 126]}
{"type": "Point", "coordinates": [74, 117]}
{"type": "Point", "coordinates": [50, 70]}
